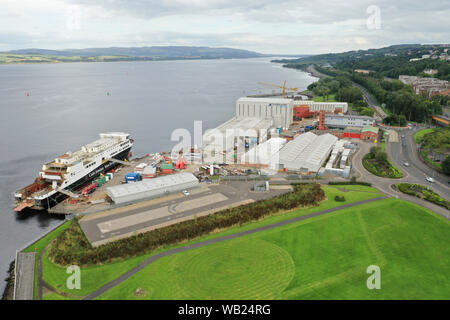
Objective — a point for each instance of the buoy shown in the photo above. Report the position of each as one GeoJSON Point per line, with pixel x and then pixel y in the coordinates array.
{"type": "Point", "coordinates": [28, 94]}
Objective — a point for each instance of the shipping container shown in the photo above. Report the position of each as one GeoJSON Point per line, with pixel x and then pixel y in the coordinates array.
{"type": "Point", "coordinates": [132, 177]}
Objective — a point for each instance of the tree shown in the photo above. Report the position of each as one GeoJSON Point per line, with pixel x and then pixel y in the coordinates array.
{"type": "Point", "coordinates": [381, 156]}
{"type": "Point", "coordinates": [446, 165]}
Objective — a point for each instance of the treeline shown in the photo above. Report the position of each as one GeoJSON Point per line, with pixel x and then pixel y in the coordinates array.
{"type": "Point", "coordinates": [72, 247]}
{"type": "Point", "coordinates": [343, 90]}
{"type": "Point", "coordinates": [393, 67]}
{"type": "Point", "coordinates": [400, 99]}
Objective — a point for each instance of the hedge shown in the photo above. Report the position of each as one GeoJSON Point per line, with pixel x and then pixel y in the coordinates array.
{"type": "Point", "coordinates": [419, 191]}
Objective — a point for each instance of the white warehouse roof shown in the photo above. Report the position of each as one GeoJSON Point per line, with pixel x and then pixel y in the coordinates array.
{"type": "Point", "coordinates": [315, 154]}
{"type": "Point", "coordinates": [265, 100]}
{"type": "Point", "coordinates": [263, 153]}
{"type": "Point", "coordinates": [151, 187]}
{"type": "Point", "coordinates": [306, 152]}
{"type": "Point", "coordinates": [236, 127]}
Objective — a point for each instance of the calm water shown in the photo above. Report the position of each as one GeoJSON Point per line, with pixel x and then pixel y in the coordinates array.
{"type": "Point", "coordinates": [68, 105]}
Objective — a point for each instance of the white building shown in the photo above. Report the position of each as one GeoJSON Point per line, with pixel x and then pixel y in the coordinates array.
{"type": "Point", "coordinates": [264, 154]}
{"type": "Point", "coordinates": [343, 121]}
{"type": "Point", "coordinates": [151, 188]}
{"type": "Point", "coordinates": [279, 110]}
{"type": "Point", "coordinates": [322, 106]}
{"type": "Point", "coordinates": [219, 143]}
{"type": "Point", "coordinates": [305, 153]}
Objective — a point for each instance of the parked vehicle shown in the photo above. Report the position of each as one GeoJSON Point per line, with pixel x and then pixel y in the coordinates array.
{"type": "Point", "coordinates": [429, 179]}
{"type": "Point", "coordinates": [406, 164]}
{"type": "Point", "coordinates": [185, 192]}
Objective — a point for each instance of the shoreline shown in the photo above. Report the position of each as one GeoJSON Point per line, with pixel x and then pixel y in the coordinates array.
{"type": "Point", "coordinates": [55, 60]}
{"type": "Point", "coordinates": [8, 293]}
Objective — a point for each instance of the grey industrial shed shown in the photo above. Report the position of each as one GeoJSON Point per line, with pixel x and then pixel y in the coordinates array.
{"type": "Point", "coordinates": [152, 188]}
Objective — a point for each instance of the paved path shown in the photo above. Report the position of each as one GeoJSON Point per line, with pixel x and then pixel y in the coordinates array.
{"type": "Point", "coordinates": [217, 240]}
{"type": "Point", "coordinates": [25, 276]}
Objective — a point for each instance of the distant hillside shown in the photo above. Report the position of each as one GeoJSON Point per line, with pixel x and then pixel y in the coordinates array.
{"type": "Point", "coordinates": [392, 61]}
{"type": "Point", "coordinates": [154, 52]}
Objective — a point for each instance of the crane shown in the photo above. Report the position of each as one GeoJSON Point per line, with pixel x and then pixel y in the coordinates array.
{"type": "Point", "coordinates": [283, 87]}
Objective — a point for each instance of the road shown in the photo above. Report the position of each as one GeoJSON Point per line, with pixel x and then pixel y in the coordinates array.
{"type": "Point", "coordinates": [155, 257]}
{"type": "Point", "coordinates": [25, 276]}
{"type": "Point", "coordinates": [371, 101]}
{"type": "Point", "coordinates": [380, 114]}
{"type": "Point", "coordinates": [400, 153]}
{"type": "Point", "coordinates": [385, 184]}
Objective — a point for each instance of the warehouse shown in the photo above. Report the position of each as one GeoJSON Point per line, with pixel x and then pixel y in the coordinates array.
{"type": "Point", "coordinates": [331, 107]}
{"type": "Point", "coordinates": [236, 132]}
{"type": "Point", "coordinates": [263, 154]}
{"type": "Point", "coordinates": [279, 110]}
{"type": "Point", "coordinates": [151, 188]}
{"type": "Point", "coordinates": [306, 153]}
{"type": "Point", "coordinates": [343, 121]}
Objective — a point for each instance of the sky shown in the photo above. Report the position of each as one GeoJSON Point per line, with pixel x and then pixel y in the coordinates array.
{"type": "Point", "coordinates": [265, 26]}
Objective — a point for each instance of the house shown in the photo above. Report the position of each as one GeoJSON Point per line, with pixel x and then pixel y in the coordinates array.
{"type": "Point", "coordinates": [430, 71]}
{"type": "Point", "coordinates": [370, 133]}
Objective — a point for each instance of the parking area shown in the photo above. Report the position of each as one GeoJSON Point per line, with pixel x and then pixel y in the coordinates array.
{"type": "Point", "coordinates": [111, 225]}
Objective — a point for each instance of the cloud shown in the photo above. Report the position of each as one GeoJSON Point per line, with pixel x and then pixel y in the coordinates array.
{"type": "Point", "coordinates": [281, 26]}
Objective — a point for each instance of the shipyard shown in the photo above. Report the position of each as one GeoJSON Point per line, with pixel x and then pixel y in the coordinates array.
{"type": "Point", "coordinates": [269, 143]}
{"type": "Point", "coordinates": [224, 150]}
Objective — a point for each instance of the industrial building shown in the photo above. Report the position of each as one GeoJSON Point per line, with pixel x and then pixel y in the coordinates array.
{"type": "Point", "coordinates": [305, 153]}
{"type": "Point", "coordinates": [338, 162]}
{"type": "Point", "coordinates": [151, 188]}
{"type": "Point", "coordinates": [279, 110]}
{"type": "Point", "coordinates": [343, 121]}
{"type": "Point", "coordinates": [263, 155]}
{"type": "Point", "coordinates": [219, 144]}
{"type": "Point", "coordinates": [370, 133]}
{"type": "Point", "coordinates": [332, 107]}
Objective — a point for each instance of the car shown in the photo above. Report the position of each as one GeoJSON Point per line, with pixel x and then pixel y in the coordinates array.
{"type": "Point", "coordinates": [429, 179]}
{"type": "Point", "coordinates": [185, 192]}
{"type": "Point", "coordinates": [406, 164]}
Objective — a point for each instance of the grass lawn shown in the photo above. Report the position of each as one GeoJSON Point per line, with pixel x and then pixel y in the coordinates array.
{"type": "Point", "coordinates": [331, 98]}
{"type": "Point", "coordinates": [93, 277]}
{"type": "Point", "coordinates": [418, 136]}
{"type": "Point", "coordinates": [320, 258]}
{"type": "Point", "coordinates": [39, 245]}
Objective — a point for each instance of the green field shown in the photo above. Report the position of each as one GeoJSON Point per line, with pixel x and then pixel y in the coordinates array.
{"type": "Point", "coordinates": [331, 98]}
{"type": "Point", "coordinates": [320, 258]}
{"type": "Point", "coordinates": [418, 136]}
{"type": "Point", "coordinates": [93, 277]}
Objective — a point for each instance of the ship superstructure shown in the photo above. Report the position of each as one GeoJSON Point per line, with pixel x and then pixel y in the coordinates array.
{"type": "Point", "coordinates": [73, 170]}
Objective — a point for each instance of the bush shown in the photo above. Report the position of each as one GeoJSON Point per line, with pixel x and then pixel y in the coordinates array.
{"type": "Point", "coordinates": [419, 191]}
{"type": "Point", "coordinates": [380, 168]}
{"type": "Point", "coordinates": [345, 183]}
{"type": "Point", "coordinates": [339, 198]}
{"type": "Point", "coordinates": [72, 247]}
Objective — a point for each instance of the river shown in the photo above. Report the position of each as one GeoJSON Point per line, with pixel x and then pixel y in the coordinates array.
{"type": "Point", "coordinates": [48, 109]}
